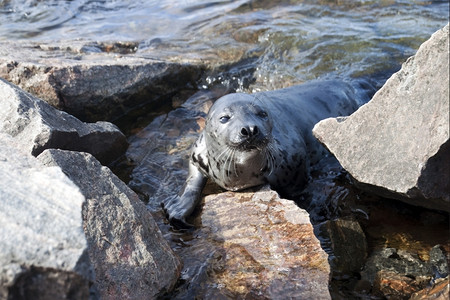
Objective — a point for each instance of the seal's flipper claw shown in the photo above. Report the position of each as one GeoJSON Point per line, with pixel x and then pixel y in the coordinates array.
{"type": "Point", "coordinates": [180, 224]}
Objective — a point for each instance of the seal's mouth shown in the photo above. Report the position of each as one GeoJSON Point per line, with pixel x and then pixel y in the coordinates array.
{"type": "Point", "coordinates": [251, 144]}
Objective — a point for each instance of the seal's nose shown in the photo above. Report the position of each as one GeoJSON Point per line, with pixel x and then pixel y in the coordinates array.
{"type": "Point", "coordinates": [249, 131]}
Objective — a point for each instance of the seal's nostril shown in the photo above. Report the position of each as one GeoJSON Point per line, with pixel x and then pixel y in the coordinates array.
{"type": "Point", "coordinates": [244, 131]}
{"type": "Point", "coordinates": [254, 130]}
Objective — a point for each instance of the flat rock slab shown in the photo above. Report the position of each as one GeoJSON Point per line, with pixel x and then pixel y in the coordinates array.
{"type": "Point", "coordinates": [130, 257]}
{"type": "Point", "coordinates": [397, 145]}
{"type": "Point", "coordinates": [37, 126]}
{"type": "Point", "coordinates": [267, 246]}
{"type": "Point", "coordinates": [43, 249]}
{"type": "Point", "coordinates": [95, 81]}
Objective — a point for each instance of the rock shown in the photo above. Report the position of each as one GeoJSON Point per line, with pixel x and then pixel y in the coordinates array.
{"type": "Point", "coordinates": [43, 250]}
{"type": "Point", "coordinates": [94, 81]}
{"type": "Point", "coordinates": [37, 126]}
{"type": "Point", "coordinates": [396, 273]}
{"type": "Point", "coordinates": [397, 145]}
{"type": "Point", "coordinates": [392, 285]}
{"type": "Point", "coordinates": [345, 243]}
{"type": "Point", "coordinates": [439, 291]}
{"type": "Point", "coordinates": [438, 262]}
{"type": "Point", "coordinates": [129, 255]}
{"type": "Point", "coordinates": [399, 261]}
{"type": "Point", "coordinates": [263, 248]}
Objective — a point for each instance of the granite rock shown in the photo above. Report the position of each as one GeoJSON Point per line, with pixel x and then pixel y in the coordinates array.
{"type": "Point", "coordinates": [43, 249]}
{"type": "Point", "coordinates": [263, 247]}
{"type": "Point", "coordinates": [38, 126]}
{"type": "Point", "coordinates": [129, 255]}
{"type": "Point", "coordinates": [93, 81]}
{"type": "Point", "coordinates": [397, 145]}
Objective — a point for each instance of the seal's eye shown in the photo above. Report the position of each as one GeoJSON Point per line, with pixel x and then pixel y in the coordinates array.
{"type": "Point", "coordinates": [262, 114]}
{"type": "Point", "coordinates": [224, 119]}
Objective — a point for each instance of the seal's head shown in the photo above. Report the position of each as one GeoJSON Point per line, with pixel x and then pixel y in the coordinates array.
{"type": "Point", "coordinates": [240, 122]}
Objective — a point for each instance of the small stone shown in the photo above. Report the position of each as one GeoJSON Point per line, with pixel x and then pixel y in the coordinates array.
{"type": "Point", "coordinates": [392, 285]}
{"type": "Point", "coordinates": [439, 291]}
{"type": "Point", "coordinates": [438, 262]}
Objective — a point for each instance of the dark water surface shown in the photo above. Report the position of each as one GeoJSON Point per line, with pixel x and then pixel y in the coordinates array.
{"type": "Point", "coordinates": [280, 43]}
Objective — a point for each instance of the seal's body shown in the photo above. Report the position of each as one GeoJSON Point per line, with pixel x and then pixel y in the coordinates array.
{"type": "Point", "coordinates": [250, 140]}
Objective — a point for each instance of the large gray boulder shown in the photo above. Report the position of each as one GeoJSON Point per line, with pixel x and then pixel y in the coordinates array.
{"type": "Point", "coordinates": [130, 257]}
{"type": "Point", "coordinates": [397, 145]}
{"type": "Point", "coordinates": [37, 126]}
{"type": "Point", "coordinates": [43, 250]}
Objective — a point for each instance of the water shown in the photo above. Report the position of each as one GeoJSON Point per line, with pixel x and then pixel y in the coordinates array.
{"type": "Point", "coordinates": [258, 45]}
{"type": "Point", "coordinates": [289, 41]}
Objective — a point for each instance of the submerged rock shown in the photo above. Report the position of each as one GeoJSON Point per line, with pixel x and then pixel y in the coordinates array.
{"type": "Point", "coordinates": [399, 274]}
{"type": "Point", "coordinates": [346, 244]}
{"type": "Point", "coordinates": [397, 145]}
{"type": "Point", "coordinates": [43, 250]}
{"type": "Point", "coordinates": [398, 261]}
{"type": "Point", "coordinates": [438, 291]}
{"type": "Point", "coordinates": [129, 255]}
{"type": "Point", "coordinates": [37, 126]}
{"type": "Point", "coordinates": [392, 285]}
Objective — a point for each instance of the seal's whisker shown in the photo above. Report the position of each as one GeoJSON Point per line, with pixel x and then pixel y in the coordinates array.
{"type": "Point", "coordinates": [234, 164]}
{"type": "Point", "coordinates": [227, 158]}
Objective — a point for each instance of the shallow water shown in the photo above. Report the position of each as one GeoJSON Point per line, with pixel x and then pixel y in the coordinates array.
{"type": "Point", "coordinates": [277, 44]}
{"type": "Point", "coordinates": [289, 41]}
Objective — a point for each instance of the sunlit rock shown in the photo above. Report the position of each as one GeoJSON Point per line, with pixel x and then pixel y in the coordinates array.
{"type": "Point", "coordinates": [397, 145]}
{"type": "Point", "coordinates": [103, 81]}
{"type": "Point", "coordinates": [43, 249]}
{"type": "Point", "coordinates": [129, 255]}
{"type": "Point", "coordinates": [37, 126]}
{"type": "Point", "coordinates": [267, 246]}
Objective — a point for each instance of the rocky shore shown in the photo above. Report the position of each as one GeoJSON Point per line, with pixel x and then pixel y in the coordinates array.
{"type": "Point", "coordinates": [70, 228]}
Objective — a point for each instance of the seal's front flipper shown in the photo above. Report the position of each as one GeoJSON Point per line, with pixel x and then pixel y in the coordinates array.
{"type": "Point", "coordinates": [181, 206]}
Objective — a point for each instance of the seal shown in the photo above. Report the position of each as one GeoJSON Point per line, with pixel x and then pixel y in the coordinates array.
{"type": "Point", "coordinates": [263, 138]}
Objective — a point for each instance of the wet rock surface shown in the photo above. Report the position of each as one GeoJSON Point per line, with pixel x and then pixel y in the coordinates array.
{"type": "Point", "coordinates": [37, 126]}
{"type": "Point", "coordinates": [438, 291]}
{"type": "Point", "coordinates": [129, 255]}
{"type": "Point", "coordinates": [347, 244]}
{"type": "Point", "coordinates": [270, 250]}
{"type": "Point", "coordinates": [397, 145]}
{"type": "Point", "coordinates": [252, 245]}
{"type": "Point", "coordinates": [399, 274]}
{"type": "Point", "coordinates": [43, 248]}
